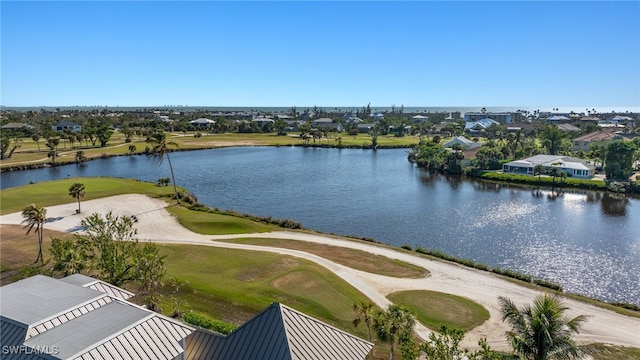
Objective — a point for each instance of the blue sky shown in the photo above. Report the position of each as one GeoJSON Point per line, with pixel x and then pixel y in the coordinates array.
{"type": "Point", "coordinates": [420, 53]}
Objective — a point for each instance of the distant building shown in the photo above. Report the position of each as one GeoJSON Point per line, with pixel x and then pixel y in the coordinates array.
{"type": "Point", "coordinates": [479, 125]}
{"type": "Point", "coordinates": [567, 127]}
{"type": "Point", "coordinates": [327, 123]}
{"type": "Point", "coordinates": [503, 117]}
{"type": "Point", "coordinates": [67, 126]}
{"type": "Point", "coordinates": [583, 143]}
{"type": "Point", "coordinates": [419, 118]}
{"type": "Point", "coordinates": [202, 122]}
{"type": "Point", "coordinates": [558, 119]}
{"type": "Point", "coordinates": [465, 143]}
{"type": "Point", "coordinates": [17, 126]}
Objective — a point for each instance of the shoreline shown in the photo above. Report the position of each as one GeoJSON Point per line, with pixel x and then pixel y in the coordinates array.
{"type": "Point", "coordinates": [156, 224]}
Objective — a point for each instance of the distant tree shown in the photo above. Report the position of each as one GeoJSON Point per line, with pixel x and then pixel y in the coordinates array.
{"type": "Point", "coordinates": [538, 169]}
{"type": "Point", "coordinates": [104, 135]}
{"type": "Point", "coordinates": [77, 191]}
{"type": "Point", "coordinates": [542, 331]}
{"type": "Point", "coordinates": [161, 148]}
{"type": "Point", "coordinates": [80, 157]}
{"type": "Point", "coordinates": [552, 138]}
{"type": "Point", "coordinates": [164, 181]}
{"type": "Point", "coordinates": [36, 138]}
{"type": "Point", "coordinates": [619, 158]}
{"type": "Point", "coordinates": [53, 155]}
{"type": "Point", "coordinates": [132, 149]}
{"type": "Point", "coordinates": [34, 217]}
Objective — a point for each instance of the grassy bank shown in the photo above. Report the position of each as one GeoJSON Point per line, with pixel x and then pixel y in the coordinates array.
{"type": "Point", "coordinates": [434, 309]}
{"type": "Point", "coordinates": [57, 191]}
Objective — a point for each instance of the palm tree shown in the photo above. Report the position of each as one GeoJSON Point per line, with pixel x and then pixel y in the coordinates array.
{"type": "Point", "coordinates": [538, 170]}
{"type": "Point", "coordinates": [160, 149]}
{"type": "Point", "coordinates": [542, 331]}
{"type": "Point", "coordinates": [365, 312]}
{"type": "Point", "coordinates": [393, 324]}
{"type": "Point", "coordinates": [77, 191]}
{"type": "Point", "coordinates": [35, 216]}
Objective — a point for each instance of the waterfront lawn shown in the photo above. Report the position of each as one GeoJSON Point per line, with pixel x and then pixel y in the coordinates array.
{"type": "Point", "coordinates": [216, 224]}
{"type": "Point", "coordinates": [57, 192]}
{"type": "Point", "coordinates": [433, 309]}
{"type": "Point", "coordinates": [355, 259]}
{"type": "Point", "coordinates": [234, 285]}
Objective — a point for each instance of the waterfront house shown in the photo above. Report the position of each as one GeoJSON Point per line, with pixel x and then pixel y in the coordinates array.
{"type": "Point", "coordinates": [558, 119]}
{"type": "Point", "coordinates": [570, 165]}
{"type": "Point", "coordinates": [67, 126]}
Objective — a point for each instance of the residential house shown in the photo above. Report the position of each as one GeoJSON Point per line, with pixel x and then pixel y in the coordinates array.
{"type": "Point", "coordinates": [619, 120]}
{"type": "Point", "coordinates": [17, 126]}
{"type": "Point", "coordinates": [570, 165]}
{"type": "Point", "coordinates": [202, 122]}
{"type": "Point", "coordinates": [327, 123]}
{"type": "Point", "coordinates": [67, 126]}
{"type": "Point", "coordinates": [479, 125]}
{"type": "Point", "coordinates": [262, 121]}
{"type": "Point", "coordinates": [558, 119]}
{"type": "Point", "coordinates": [583, 143]}
{"type": "Point", "coordinates": [365, 128]}
{"type": "Point", "coordinates": [464, 143]}
{"type": "Point", "coordinates": [419, 118]}
{"type": "Point", "coordinates": [566, 127]}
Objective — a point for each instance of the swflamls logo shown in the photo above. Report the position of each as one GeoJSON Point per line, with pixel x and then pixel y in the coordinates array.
{"type": "Point", "coordinates": [30, 350]}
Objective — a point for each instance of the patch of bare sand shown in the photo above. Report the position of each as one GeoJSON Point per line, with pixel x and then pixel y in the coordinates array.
{"type": "Point", "coordinates": [156, 224]}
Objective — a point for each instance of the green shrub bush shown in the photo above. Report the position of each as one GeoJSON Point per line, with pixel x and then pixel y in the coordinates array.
{"type": "Point", "coordinates": [206, 322]}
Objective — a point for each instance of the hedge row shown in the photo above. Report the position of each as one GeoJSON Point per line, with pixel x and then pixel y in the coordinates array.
{"type": "Point", "coordinates": [206, 322]}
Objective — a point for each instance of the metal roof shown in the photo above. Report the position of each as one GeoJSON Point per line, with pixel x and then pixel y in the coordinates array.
{"type": "Point", "coordinates": [278, 332]}
{"type": "Point", "coordinates": [116, 330]}
{"type": "Point", "coordinates": [49, 318]}
{"type": "Point", "coordinates": [98, 285]}
{"type": "Point", "coordinates": [38, 298]}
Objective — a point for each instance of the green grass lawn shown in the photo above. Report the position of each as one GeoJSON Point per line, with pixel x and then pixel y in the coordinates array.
{"type": "Point", "coordinates": [234, 285]}
{"type": "Point", "coordinates": [355, 259]}
{"type": "Point", "coordinates": [433, 309]}
{"type": "Point", "coordinates": [215, 224]}
{"type": "Point", "coordinates": [57, 192]}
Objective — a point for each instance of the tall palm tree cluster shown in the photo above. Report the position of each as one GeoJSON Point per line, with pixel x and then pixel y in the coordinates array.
{"type": "Point", "coordinates": [540, 331]}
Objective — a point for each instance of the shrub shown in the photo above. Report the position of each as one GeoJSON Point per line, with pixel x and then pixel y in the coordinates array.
{"type": "Point", "coordinates": [407, 247]}
{"type": "Point", "coordinates": [548, 284]}
{"type": "Point", "coordinates": [208, 323]}
{"type": "Point", "coordinates": [512, 274]}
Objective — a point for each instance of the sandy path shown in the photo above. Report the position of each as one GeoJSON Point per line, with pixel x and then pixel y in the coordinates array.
{"type": "Point", "coordinates": [156, 224]}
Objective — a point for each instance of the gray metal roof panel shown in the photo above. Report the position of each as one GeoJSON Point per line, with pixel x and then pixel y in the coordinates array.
{"type": "Point", "coordinates": [278, 332]}
{"type": "Point", "coordinates": [38, 298]}
{"type": "Point", "coordinates": [98, 285]}
{"type": "Point", "coordinates": [85, 331]}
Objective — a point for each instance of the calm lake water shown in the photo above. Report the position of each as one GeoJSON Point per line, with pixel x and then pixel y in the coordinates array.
{"type": "Point", "coordinates": [587, 241]}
